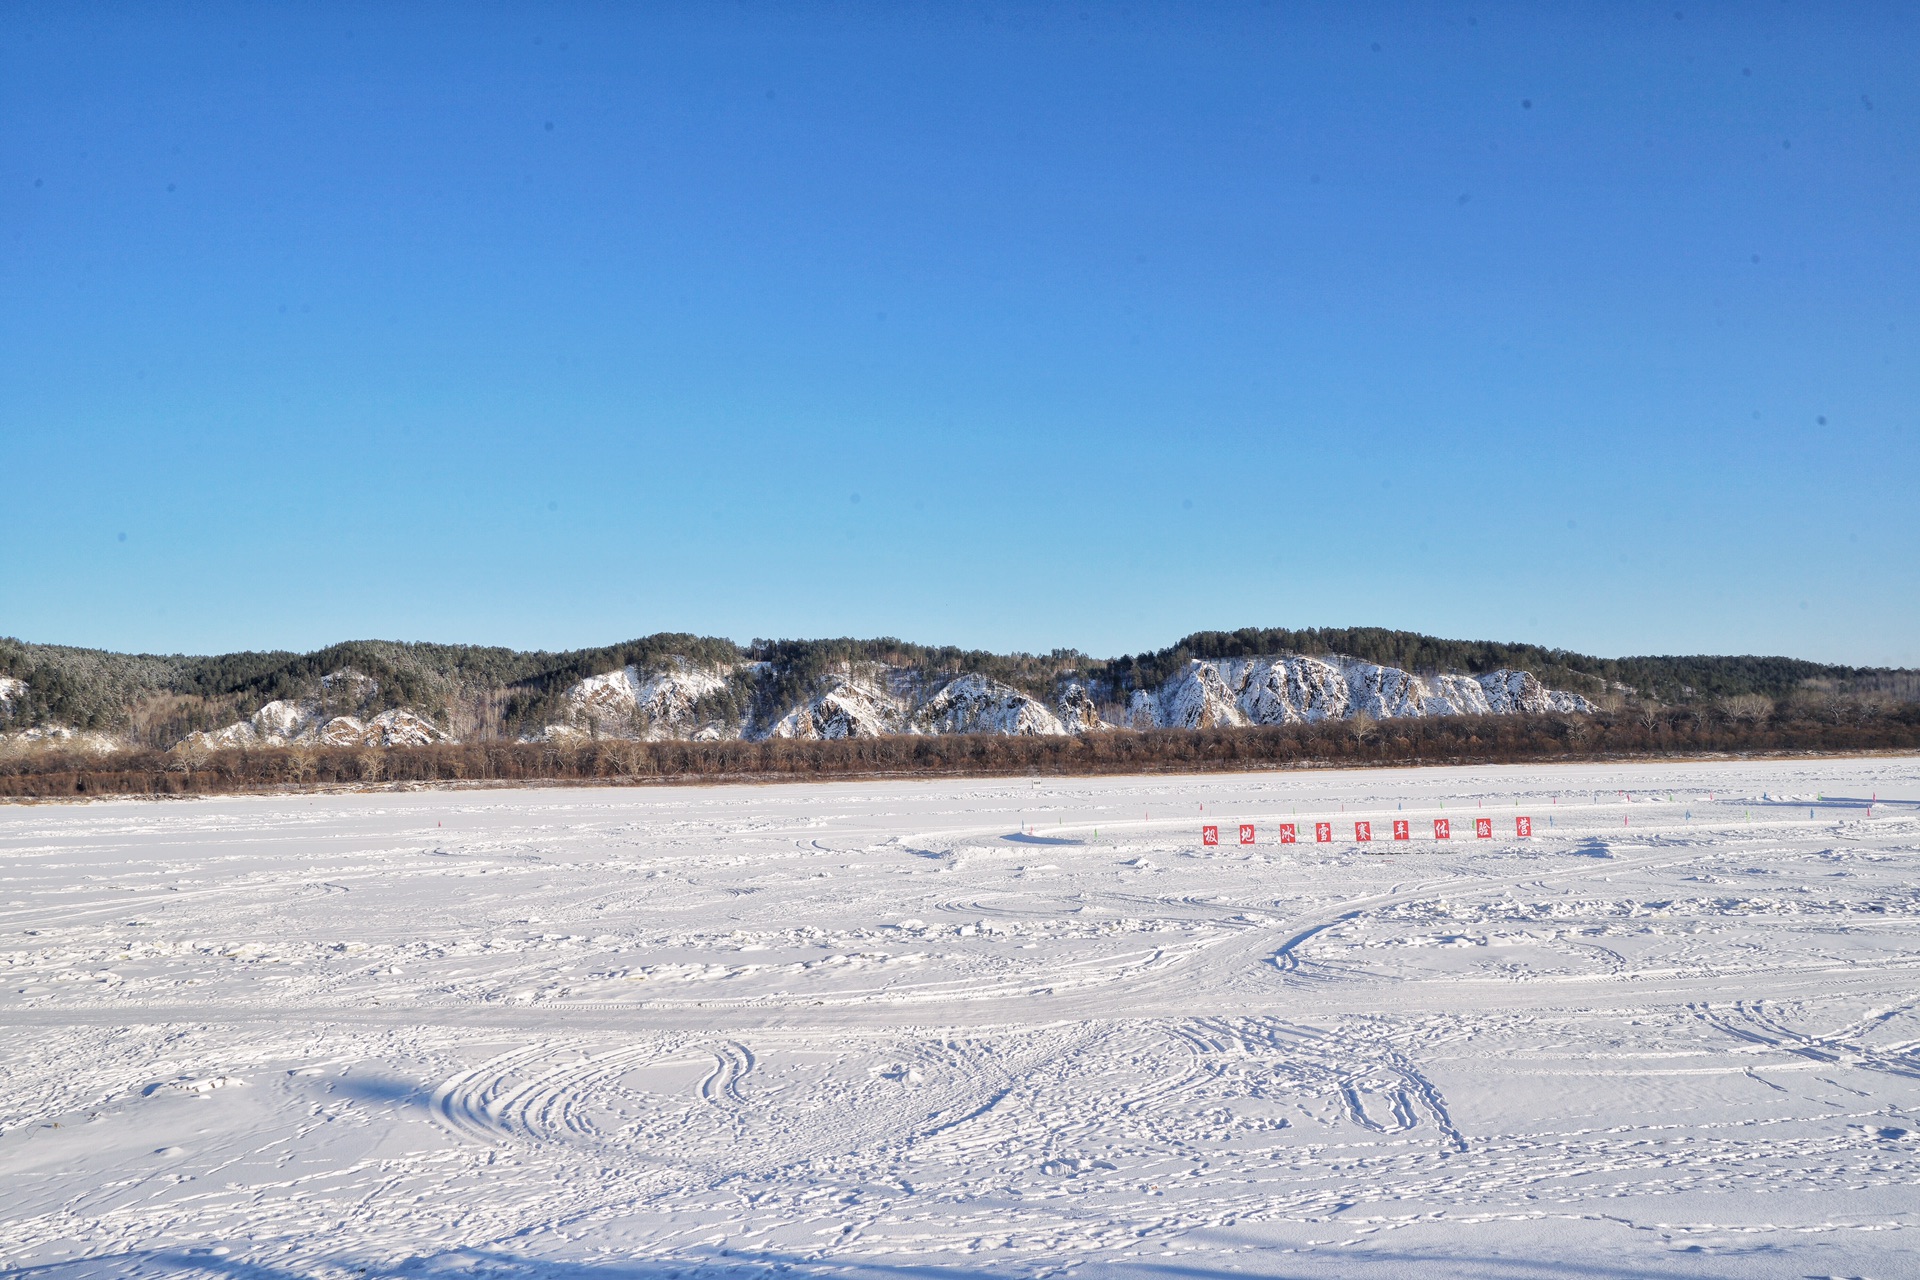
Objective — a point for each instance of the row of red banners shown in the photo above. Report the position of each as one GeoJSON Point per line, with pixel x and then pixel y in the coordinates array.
{"type": "Point", "coordinates": [1363, 831]}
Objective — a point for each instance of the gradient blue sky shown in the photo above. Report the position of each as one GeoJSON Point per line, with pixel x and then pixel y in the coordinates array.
{"type": "Point", "coordinates": [1016, 326]}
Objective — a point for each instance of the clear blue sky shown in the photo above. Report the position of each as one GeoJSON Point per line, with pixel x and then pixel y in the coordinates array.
{"type": "Point", "coordinates": [1001, 325]}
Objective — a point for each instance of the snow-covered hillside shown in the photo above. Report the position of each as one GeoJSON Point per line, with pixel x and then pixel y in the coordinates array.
{"type": "Point", "coordinates": [1294, 690]}
{"type": "Point", "coordinates": [13, 697]}
{"type": "Point", "coordinates": [975, 704]}
{"type": "Point", "coordinates": [320, 722]}
{"type": "Point", "coordinates": [868, 701]}
{"type": "Point", "coordinates": [60, 735]}
{"type": "Point", "coordinates": [871, 699]}
{"type": "Point", "coordinates": [851, 706]}
{"type": "Point", "coordinates": [679, 699]}
{"type": "Point", "coordinates": [630, 703]}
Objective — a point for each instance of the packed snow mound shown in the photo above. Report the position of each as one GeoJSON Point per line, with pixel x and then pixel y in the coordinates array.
{"type": "Point", "coordinates": [1298, 690]}
{"type": "Point", "coordinates": [975, 704]}
{"type": "Point", "coordinates": [630, 703]}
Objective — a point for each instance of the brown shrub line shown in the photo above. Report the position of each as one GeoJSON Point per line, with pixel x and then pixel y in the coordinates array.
{"type": "Point", "coordinates": [1360, 742]}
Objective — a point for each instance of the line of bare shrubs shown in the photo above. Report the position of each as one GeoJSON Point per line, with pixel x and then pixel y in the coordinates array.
{"type": "Point", "coordinates": [1646, 731]}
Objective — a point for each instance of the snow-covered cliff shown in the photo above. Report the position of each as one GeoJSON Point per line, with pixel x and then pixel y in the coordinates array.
{"type": "Point", "coordinates": [630, 703]}
{"type": "Point", "coordinates": [678, 699]}
{"type": "Point", "coordinates": [319, 721]}
{"type": "Point", "coordinates": [1294, 690]}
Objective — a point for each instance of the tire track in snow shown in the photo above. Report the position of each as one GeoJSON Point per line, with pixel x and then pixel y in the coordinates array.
{"type": "Point", "coordinates": [732, 1062]}
{"type": "Point", "coordinates": [522, 1095]}
{"type": "Point", "coordinates": [1755, 1023]}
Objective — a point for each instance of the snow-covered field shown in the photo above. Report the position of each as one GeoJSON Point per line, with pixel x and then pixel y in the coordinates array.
{"type": "Point", "coordinates": [989, 1028]}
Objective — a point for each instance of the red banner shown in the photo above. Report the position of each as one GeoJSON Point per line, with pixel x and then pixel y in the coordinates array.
{"type": "Point", "coordinates": [1483, 827]}
{"type": "Point", "coordinates": [1209, 835]}
{"type": "Point", "coordinates": [1363, 831]}
{"type": "Point", "coordinates": [1286, 833]}
{"type": "Point", "coordinates": [1323, 831]}
{"type": "Point", "coordinates": [1401, 830]}
{"type": "Point", "coordinates": [1523, 826]}
{"type": "Point", "coordinates": [1246, 833]}
{"type": "Point", "coordinates": [1442, 829]}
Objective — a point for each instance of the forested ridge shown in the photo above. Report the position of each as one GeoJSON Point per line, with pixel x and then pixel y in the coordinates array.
{"type": "Point", "coordinates": [490, 692]}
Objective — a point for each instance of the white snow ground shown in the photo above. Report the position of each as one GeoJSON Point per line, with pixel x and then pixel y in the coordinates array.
{"type": "Point", "coordinates": [985, 1028]}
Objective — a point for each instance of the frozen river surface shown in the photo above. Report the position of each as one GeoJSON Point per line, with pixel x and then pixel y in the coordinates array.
{"type": "Point", "coordinates": [994, 1028]}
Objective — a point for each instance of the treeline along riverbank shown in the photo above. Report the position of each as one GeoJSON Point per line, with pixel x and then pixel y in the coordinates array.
{"type": "Point", "coordinates": [1836, 727]}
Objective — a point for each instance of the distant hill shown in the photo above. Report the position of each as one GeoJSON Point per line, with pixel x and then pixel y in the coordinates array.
{"type": "Point", "coordinates": [377, 692]}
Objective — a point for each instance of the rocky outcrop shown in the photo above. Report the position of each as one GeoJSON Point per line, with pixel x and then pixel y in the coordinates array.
{"type": "Point", "coordinates": [629, 703]}
{"type": "Point", "coordinates": [975, 704]}
{"type": "Point", "coordinates": [1294, 690]}
{"type": "Point", "coordinates": [850, 707]}
{"type": "Point", "coordinates": [313, 722]}
{"type": "Point", "coordinates": [678, 699]}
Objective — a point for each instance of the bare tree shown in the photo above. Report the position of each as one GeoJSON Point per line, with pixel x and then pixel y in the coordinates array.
{"type": "Point", "coordinates": [300, 767]}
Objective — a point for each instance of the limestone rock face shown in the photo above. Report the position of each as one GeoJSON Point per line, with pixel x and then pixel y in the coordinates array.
{"type": "Point", "coordinates": [1294, 690]}
{"type": "Point", "coordinates": [678, 699]}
